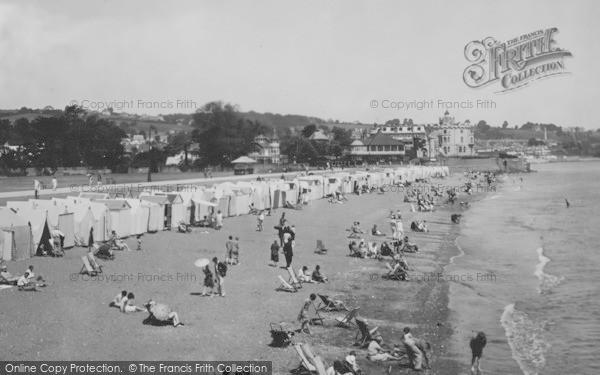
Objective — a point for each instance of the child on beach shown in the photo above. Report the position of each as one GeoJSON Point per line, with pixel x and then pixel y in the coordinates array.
{"type": "Point", "coordinates": [303, 316]}
{"type": "Point", "coordinates": [139, 242]}
{"type": "Point", "coordinates": [208, 282]}
{"type": "Point", "coordinates": [261, 220]}
{"type": "Point", "coordinates": [274, 253]}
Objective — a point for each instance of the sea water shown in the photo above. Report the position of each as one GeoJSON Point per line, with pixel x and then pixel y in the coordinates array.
{"type": "Point", "coordinates": [532, 274]}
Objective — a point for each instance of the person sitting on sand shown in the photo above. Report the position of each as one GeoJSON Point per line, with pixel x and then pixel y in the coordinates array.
{"type": "Point", "coordinates": [25, 285]}
{"type": "Point", "coordinates": [117, 302]}
{"type": "Point", "coordinates": [127, 306]}
{"type": "Point", "coordinates": [362, 247]}
{"type": "Point", "coordinates": [354, 252]}
{"type": "Point", "coordinates": [304, 275]}
{"type": "Point", "coordinates": [319, 277]}
{"type": "Point", "coordinates": [351, 363]}
{"type": "Point", "coordinates": [386, 250]}
{"type": "Point", "coordinates": [159, 312]}
{"type": "Point", "coordinates": [376, 353]}
{"type": "Point", "coordinates": [338, 368]}
{"type": "Point", "coordinates": [29, 273]}
{"type": "Point", "coordinates": [7, 277]}
{"type": "Point", "coordinates": [118, 243]}
{"type": "Point", "coordinates": [372, 251]}
{"type": "Point", "coordinates": [376, 232]}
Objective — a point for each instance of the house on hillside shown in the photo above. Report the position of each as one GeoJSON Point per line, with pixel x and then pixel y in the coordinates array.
{"type": "Point", "coordinates": [450, 138]}
{"type": "Point", "coordinates": [378, 147]}
{"type": "Point", "coordinates": [319, 136]}
{"type": "Point", "coordinates": [265, 150]}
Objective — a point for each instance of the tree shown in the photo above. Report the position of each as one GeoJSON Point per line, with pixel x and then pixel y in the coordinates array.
{"type": "Point", "coordinates": [342, 136]}
{"type": "Point", "coordinates": [223, 134]}
{"type": "Point", "coordinates": [308, 130]}
{"type": "Point", "coordinates": [505, 125]}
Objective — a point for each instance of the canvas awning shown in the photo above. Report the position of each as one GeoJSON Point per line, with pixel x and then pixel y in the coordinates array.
{"type": "Point", "coordinates": [243, 160]}
{"type": "Point", "coordinates": [205, 203]}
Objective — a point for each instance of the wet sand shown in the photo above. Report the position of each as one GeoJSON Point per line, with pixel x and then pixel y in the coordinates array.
{"type": "Point", "coordinates": [71, 319]}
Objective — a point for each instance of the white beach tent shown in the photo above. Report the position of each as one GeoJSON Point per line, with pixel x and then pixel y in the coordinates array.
{"type": "Point", "coordinates": [82, 218]}
{"type": "Point", "coordinates": [176, 210]}
{"type": "Point", "coordinates": [60, 217]}
{"type": "Point", "coordinates": [40, 229]}
{"type": "Point", "coordinates": [156, 215]}
{"type": "Point", "coordinates": [102, 219]}
{"type": "Point", "coordinates": [188, 206]}
{"type": "Point", "coordinates": [138, 216]}
{"type": "Point", "coordinates": [16, 239]}
{"type": "Point", "coordinates": [120, 214]}
{"type": "Point", "coordinates": [163, 203]}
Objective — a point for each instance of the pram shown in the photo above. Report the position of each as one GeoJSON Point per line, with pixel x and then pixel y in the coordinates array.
{"type": "Point", "coordinates": [105, 252]}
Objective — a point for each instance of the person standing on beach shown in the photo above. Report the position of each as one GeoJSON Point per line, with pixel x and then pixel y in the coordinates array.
{"type": "Point", "coordinates": [91, 239]}
{"type": "Point", "coordinates": [54, 183]}
{"type": "Point", "coordinates": [229, 246]}
{"type": "Point", "coordinates": [287, 250]}
{"type": "Point", "coordinates": [567, 202]}
{"type": "Point", "coordinates": [236, 251]}
{"type": "Point", "coordinates": [220, 270]}
{"type": "Point", "coordinates": [261, 220]}
{"type": "Point", "coordinates": [477, 344]}
{"type": "Point", "coordinates": [393, 227]}
{"type": "Point", "coordinates": [219, 224]}
{"type": "Point", "coordinates": [414, 353]}
{"type": "Point", "coordinates": [36, 188]}
{"type": "Point", "coordinates": [274, 253]}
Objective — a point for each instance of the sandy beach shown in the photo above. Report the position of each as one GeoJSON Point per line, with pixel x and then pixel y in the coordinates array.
{"type": "Point", "coordinates": [71, 319]}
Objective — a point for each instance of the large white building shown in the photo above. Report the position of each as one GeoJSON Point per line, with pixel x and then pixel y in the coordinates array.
{"type": "Point", "coordinates": [266, 150]}
{"type": "Point", "coordinates": [450, 138]}
{"type": "Point", "coordinates": [404, 133]}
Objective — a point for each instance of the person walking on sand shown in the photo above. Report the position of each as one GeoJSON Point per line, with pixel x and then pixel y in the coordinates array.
{"type": "Point", "coordinates": [139, 242]}
{"type": "Point", "coordinates": [91, 239]}
{"type": "Point", "coordinates": [229, 248]}
{"type": "Point", "coordinates": [567, 202]}
{"type": "Point", "coordinates": [236, 252]}
{"type": "Point", "coordinates": [54, 183]}
{"type": "Point", "coordinates": [274, 253]}
{"type": "Point", "coordinates": [220, 270]}
{"type": "Point", "coordinates": [477, 344]}
{"type": "Point", "coordinates": [209, 282]}
{"type": "Point", "coordinates": [261, 220]}
{"type": "Point", "coordinates": [303, 316]}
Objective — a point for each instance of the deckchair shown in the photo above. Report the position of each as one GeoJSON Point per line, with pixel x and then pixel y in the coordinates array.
{"type": "Point", "coordinates": [347, 320]}
{"type": "Point", "coordinates": [285, 286]}
{"type": "Point", "coordinates": [87, 268]}
{"type": "Point", "coordinates": [293, 280]}
{"type": "Point", "coordinates": [320, 366]}
{"type": "Point", "coordinates": [366, 334]}
{"type": "Point", "coordinates": [391, 275]}
{"type": "Point", "coordinates": [313, 359]}
{"type": "Point", "coordinates": [321, 249]}
{"type": "Point", "coordinates": [5, 281]}
{"type": "Point", "coordinates": [94, 263]}
{"type": "Point", "coordinates": [305, 367]}
{"type": "Point", "coordinates": [331, 305]}
{"type": "Point", "coordinates": [318, 318]}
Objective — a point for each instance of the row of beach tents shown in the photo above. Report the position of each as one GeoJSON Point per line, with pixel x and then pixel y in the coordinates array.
{"type": "Point", "coordinates": [27, 225]}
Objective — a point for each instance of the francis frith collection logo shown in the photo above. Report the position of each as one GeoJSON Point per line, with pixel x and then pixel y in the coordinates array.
{"type": "Point", "coordinates": [515, 63]}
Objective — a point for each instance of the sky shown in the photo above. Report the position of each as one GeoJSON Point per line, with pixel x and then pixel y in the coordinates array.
{"type": "Point", "coordinates": [348, 60]}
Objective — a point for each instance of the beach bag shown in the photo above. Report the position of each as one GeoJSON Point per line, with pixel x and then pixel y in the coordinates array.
{"type": "Point", "coordinates": [222, 269]}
